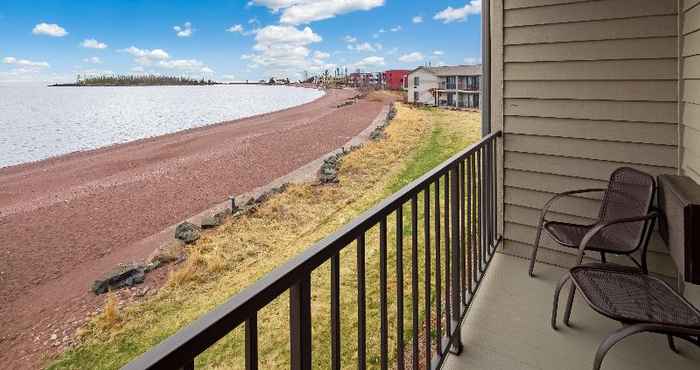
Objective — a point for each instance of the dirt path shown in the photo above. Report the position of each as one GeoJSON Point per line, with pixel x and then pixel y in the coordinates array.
{"type": "Point", "coordinates": [66, 220]}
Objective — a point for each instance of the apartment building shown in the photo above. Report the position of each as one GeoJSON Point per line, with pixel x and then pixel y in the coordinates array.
{"type": "Point", "coordinates": [396, 79]}
{"type": "Point", "coordinates": [448, 86]}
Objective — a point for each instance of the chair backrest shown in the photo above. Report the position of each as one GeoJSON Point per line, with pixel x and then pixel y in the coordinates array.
{"type": "Point", "coordinates": [630, 193]}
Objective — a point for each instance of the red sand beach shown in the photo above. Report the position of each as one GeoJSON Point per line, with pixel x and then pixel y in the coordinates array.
{"type": "Point", "coordinates": [66, 220]}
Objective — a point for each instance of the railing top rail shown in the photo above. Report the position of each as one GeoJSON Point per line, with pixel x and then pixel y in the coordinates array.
{"type": "Point", "coordinates": [207, 330]}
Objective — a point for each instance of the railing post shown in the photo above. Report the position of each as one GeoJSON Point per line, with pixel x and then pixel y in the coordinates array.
{"type": "Point", "coordinates": [300, 324]}
{"type": "Point", "coordinates": [335, 312]}
{"type": "Point", "coordinates": [251, 343]}
{"type": "Point", "coordinates": [455, 256]}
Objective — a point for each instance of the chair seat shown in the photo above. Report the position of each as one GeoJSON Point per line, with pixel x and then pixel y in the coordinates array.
{"type": "Point", "coordinates": [630, 296]}
{"type": "Point", "coordinates": [571, 235]}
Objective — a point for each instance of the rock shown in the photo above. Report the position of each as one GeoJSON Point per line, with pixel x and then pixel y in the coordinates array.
{"type": "Point", "coordinates": [210, 222]}
{"type": "Point", "coordinates": [377, 134]}
{"type": "Point", "coordinates": [124, 275]}
{"type": "Point", "coordinates": [166, 253]}
{"type": "Point", "coordinates": [329, 169]}
{"type": "Point", "coordinates": [187, 232]}
{"type": "Point", "coordinates": [54, 336]}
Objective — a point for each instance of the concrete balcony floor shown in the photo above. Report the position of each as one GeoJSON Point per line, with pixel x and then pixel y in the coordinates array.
{"type": "Point", "coordinates": [508, 328]}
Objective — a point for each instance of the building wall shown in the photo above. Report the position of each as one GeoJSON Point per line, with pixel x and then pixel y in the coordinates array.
{"type": "Point", "coordinates": [581, 87]}
{"type": "Point", "coordinates": [394, 79]}
{"type": "Point", "coordinates": [689, 62]}
{"type": "Point", "coordinates": [427, 81]}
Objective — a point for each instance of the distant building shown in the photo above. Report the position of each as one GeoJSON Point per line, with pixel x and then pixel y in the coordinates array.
{"type": "Point", "coordinates": [396, 79]}
{"type": "Point", "coordinates": [360, 79]}
{"type": "Point", "coordinates": [449, 86]}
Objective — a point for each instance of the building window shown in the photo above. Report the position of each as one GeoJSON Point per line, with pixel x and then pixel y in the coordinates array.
{"type": "Point", "coordinates": [416, 81]}
{"type": "Point", "coordinates": [415, 96]}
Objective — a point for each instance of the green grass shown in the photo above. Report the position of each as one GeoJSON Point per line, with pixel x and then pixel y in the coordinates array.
{"type": "Point", "coordinates": [444, 142]}
{"type": "Point", "coordinates": [226, 261]}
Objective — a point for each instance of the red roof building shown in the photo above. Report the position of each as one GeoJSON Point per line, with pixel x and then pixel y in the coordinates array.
{"type": "Point", "coordinates": [396, 79]}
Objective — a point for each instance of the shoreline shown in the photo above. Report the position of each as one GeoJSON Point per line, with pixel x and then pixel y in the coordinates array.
{"type": "Point", "coordinates": [157, 137]}
{"type": "Point", "coordinates": [77, 216]}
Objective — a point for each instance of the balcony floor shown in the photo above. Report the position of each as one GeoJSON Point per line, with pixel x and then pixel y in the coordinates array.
{"type": "Point", "coordinates": [508, 328]}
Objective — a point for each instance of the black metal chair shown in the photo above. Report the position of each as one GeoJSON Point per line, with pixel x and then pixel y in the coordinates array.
{"type": "Point", "coordinates": [624, 223]}
{"type": "Point", "coordinates": [640, 302]}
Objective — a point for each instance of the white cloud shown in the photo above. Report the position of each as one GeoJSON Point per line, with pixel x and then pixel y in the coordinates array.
{"type": "Point", "coordinates": [25, 63]}
{"type": "Point", "coordinates": [93, 44]}
{"type": "Point", "coordinates": [370, 62]}
{"type": "Point", "coordinates": [381, 30]}
{"type": "Point", "coordinates": [274, 5]}
{"type": "Point", "coordinates": [184, 64]}
{"type": "Point", "coordinates": [295, 12]}
{"type": "Point", "coordinates": [184, 31]}
{"type": "Point", "coordinates": [161, 59]}
{"type": "Point", "coordinates": [272, 35]}
{"type": "Point", "coordinates": [451, 14]}
{"type": "Point", "coordinates": [363, 46]}
{"type": "Point", "coordinates": [350, 39]}
{"type": "Point", "coordinates": [236, 28]}
{"type": "Point", "coordinates": [438, 52]}
{"type": "Point", "coordinates": [146, 56]}
{"type": "Point", "coordinates": [321, 55]}
{"type": "Point", "coordinates": [283, 50]}
{"type": "Point", "coordinates": [93, 60]}
{"type": "Point", "coordinates": [417, 19]}
{"type": "Point", "coordinates": [47, 29]}
{"type": "Point", "coordinates": [396, 29]}
{"type": "Point", "coordinates": [95, 72]}
{"type": "Point", "coordinates": [412, 57]}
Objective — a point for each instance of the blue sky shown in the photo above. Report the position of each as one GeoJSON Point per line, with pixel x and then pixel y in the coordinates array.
{"type": "Point", "coordinates": [50, 41]}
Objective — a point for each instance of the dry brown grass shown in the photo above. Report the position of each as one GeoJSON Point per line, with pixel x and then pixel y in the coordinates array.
{"type": "Point", "coordinates": [226, 261]}
{"type": "Point", "coordinates": [110, 318]}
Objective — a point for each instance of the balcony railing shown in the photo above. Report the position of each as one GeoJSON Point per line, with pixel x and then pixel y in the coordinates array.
{"type": "Point", "coordinates": [462, 195]}
{"type": "Point", "coordinates": [467, 87]}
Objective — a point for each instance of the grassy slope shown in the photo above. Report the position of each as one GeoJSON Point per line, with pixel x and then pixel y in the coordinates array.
{"type": "Point", "coordinates": [226, 261]}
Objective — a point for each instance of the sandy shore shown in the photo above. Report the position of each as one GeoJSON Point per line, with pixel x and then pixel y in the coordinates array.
{"type": "Point", "coordinates": [68, 219]}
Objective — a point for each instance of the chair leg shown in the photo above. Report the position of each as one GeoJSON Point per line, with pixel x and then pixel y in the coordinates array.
{"type": "Point", "coordinates": [612, 340]}
{"type": "Point", "coordinates": [602, 257]}
{"type": "Point", "coordinates": [671, 343]}
{"type": "Point", "coordinates": [555, 306]}
{"type": "Point", "coordinates": [569, 304]}
{"type": "Point", "coordinates": [533, 256]}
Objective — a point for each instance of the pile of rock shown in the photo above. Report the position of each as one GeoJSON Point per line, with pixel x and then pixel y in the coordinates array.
{"type": "Point", "coordinates": [186, 233]}
{"type": "Point", "coordinates": [123, 276]}
{"type": "Point", "coordinates": [328, 173]}
{"type": "Point", "coordinates": [379, 132]}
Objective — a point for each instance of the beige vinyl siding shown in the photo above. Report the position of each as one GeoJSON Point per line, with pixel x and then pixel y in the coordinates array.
{"type": "Point", "coordinates": [690, 88]}
{"type": "Point", "coordinates": [587, 87]}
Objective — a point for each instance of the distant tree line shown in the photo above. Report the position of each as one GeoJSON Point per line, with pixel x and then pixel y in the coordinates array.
{"type": "Point", "coordinates": [140, 80]}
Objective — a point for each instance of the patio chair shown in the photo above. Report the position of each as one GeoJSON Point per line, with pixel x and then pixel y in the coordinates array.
{"type": "Point", "coordinates": [640, 302]}
{"type": "Point", "coordinates": [624, 221]}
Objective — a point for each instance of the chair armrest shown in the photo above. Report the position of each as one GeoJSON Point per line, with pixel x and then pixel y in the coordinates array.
{"type": "Point", "coordinates": [597, 228]}
{"type": "Point", "coordinates": [558, 196]}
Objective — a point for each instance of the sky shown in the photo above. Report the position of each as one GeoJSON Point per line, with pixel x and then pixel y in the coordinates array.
{"type": "Point", "coordinates": [44, 41]}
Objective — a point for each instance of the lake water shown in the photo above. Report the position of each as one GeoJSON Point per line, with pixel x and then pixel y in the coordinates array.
{"type": "Point", "coordinates": [41, 122]}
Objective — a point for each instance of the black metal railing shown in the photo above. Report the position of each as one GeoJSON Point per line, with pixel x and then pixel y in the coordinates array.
{"type": "Point", "coordinates": [461, 194]}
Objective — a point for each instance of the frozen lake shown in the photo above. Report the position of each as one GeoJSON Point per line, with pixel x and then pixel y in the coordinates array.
{"type": "Point", "coordinates": [41, 122]}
